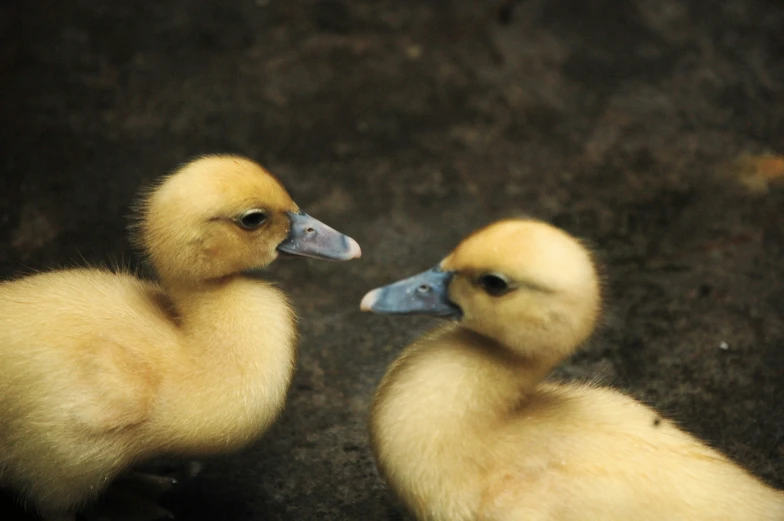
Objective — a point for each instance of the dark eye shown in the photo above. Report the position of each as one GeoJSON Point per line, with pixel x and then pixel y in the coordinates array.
{"type": "Point", "coordinates": [252, 219]}
{"type": "Point", "coordinates": [494, 284]}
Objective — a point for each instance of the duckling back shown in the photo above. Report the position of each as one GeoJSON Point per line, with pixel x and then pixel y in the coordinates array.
{"type": "Point", "coordinates": [487, 448]}
{"type": "Point", "coordinates": [594, 453]}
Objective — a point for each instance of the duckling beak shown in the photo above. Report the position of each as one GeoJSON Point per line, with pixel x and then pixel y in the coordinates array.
{"type": "Point", "coordinates": [424, 294]}
{"type": "Point", "coordinates": [309, 237]}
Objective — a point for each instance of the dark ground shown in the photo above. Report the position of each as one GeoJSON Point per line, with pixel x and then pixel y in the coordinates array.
{"type": "Point", "coordinates": [407, 125]}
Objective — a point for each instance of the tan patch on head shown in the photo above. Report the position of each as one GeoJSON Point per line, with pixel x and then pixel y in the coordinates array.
{"type": "Point", "coordinates": [223, 186]}
{"type": "Point", "coordinates": [526, 251]}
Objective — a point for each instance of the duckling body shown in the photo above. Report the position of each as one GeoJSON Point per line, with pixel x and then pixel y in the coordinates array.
{"type": "Point", "coordinates": [464, 428]}
{"type": "Point", "coordinates": [104, 393]}
{"type": "Point", "coordinates": [101, 370]}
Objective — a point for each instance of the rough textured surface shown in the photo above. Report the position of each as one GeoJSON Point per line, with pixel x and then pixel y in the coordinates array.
{"type": "Point", "coordinates": [407, 125]}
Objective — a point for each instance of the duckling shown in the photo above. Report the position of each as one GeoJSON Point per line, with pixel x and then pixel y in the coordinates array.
{"type": "Point", "coordinates": [463, 427]}
{"type": "Point", "coordinates": [102, 370]}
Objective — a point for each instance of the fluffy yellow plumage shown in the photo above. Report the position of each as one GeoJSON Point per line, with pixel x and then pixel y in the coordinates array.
{"type": "Point", "coordinates": [99, 370]}
{"type": "Point", "coordinates": [464, 428]}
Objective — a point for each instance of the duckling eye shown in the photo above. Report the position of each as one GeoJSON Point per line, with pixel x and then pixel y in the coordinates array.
{"type": "Point", "coordinates": [252, 219]}
{"type": "Point", "coordinates": [494, 284]}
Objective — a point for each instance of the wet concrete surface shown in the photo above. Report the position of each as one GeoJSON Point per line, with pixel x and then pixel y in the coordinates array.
{"type": "Point", "coordinates": [633, 124]}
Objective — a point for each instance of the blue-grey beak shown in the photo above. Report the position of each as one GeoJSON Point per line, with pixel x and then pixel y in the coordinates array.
{"type": "Point", "coordinates": [424, 294]}
{"type": "Point", "coordinates": [309, 237]}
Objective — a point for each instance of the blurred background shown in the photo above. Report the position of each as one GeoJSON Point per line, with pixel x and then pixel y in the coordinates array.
{"type": "Point", "coordinates": [650, 128]}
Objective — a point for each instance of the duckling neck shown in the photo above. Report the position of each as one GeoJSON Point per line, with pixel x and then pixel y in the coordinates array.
{"type": "Point", "coordinates": [238, 350]}
{"type": "Point", "coordinates": [236, 316]}
{"type": "Point", "coordinates": [463, 377]}
{"type": "Point", "coordinates": [442, 400]}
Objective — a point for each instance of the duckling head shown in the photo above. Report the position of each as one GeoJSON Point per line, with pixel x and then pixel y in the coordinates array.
{"type": "Point", "coordinates": [523, 283]}
{"type": "Point", "coordinates": [220, 216]}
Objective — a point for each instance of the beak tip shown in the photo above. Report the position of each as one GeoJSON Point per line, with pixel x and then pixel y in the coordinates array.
{"type": "Point", "coordinates": [369, 300]}
{"type": "Point", "coordinates": [354, 250]}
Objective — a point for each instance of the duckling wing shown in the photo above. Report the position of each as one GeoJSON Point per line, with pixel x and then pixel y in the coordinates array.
{"type": "Point", "coordinates": [77, 349]}
{"type": "Point", "coordinates": [116, 388]}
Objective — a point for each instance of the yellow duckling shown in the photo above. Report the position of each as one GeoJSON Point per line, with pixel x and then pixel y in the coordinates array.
{"type": "Point", "coordinates": [99, 370]}
{"type": "Point", "coordinates": [464, 428]}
